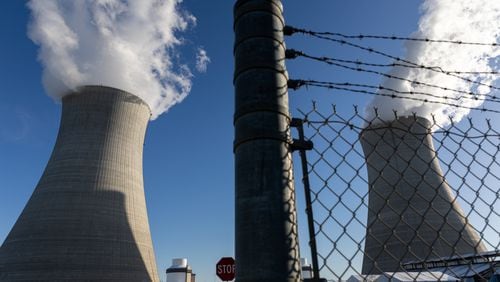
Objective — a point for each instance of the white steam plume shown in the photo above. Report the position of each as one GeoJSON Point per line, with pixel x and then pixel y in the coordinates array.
{"type": "Point", "coordinates": [457, 20]}
{"type": "Point", "coordinates": [202, 60]}
{"type": "Point", "coordinates": [127, 44]}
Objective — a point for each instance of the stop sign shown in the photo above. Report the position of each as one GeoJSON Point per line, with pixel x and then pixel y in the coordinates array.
{"type": "Point", "coordinates": [225, 269]}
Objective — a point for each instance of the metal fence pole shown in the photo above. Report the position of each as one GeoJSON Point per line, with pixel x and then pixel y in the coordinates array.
{"type": "Point", "coordinates": [266, 231]}
{"type": "Point", "coordinates": [302, 146]}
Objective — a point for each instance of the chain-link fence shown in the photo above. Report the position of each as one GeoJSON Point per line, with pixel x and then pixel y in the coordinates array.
{"type": "Point", "coordinates": [406, 199]}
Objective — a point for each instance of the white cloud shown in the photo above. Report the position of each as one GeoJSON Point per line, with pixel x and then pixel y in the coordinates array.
{"type": "Point", "coordinates": [458, 20]}
{"type": "Point", "coordinates": [202, 60]}
{"type": "Point", "coordinates": [127, 44]}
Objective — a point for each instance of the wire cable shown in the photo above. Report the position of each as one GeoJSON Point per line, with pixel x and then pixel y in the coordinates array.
{"type": "Point", "coordinates": [296, 84]}
{"type": "Point", "coordinates": [394, 38]}
{"type": "Point", "coordinates": [415, 82]}
{"type": "Point", "coordinates": [293, 54]}
{"type": "Point", "coordinates": [291, 30]}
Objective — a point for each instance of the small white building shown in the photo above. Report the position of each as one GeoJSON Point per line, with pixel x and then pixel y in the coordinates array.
{"type": "Point", "coordinates": [180, 271]}
{"type": "Point", "coordinates": [307, 271]}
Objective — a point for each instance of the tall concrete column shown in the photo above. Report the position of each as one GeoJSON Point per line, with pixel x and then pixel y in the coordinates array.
{"type": "Point", "coordinates": [266, 231]}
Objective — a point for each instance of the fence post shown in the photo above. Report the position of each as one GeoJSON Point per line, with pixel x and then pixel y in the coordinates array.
{"type": "Point", "coordinates": [302, 146]}
{"type": "Point", "coordinates": [266, 231]}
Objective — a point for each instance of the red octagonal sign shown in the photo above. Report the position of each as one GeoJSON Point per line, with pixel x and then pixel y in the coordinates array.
{"type": "Point", "coordinates": [226, 269]}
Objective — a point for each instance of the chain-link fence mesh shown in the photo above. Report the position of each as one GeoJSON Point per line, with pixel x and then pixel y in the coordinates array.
{"type": "Point", "coordinates": [406, 196]}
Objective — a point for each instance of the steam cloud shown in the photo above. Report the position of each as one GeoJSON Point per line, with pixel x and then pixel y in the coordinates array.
{"type": "Point", "coordinates": [202, 60]}
{"type": "Point", "coordinates": [458, 20]}
{"type": "Point", "coordinates": [127, 44]}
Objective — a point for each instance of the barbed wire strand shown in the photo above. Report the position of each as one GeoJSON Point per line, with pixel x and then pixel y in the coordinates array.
{"type": "Point", "coordinates": [394, 38]}
{"type": "Point", "coordinates": [416, 82]}
{"type": "Point", "coordinates": [295, 83]}
{"type": "Point", "coordinates": [399, 38]}
{"type": "Point", "coordinates": [394, 96]}
{"type": "Point", "coordinates": [290, 30]}
{"type": "Point", "coordinates": [363, 63]}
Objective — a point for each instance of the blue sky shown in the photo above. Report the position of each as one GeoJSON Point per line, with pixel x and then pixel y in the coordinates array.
{"type": "Point", "coordinates": [188, 158]}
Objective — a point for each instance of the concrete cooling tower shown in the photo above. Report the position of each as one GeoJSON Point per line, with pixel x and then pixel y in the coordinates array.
{"type": "Point", "coordinates": [87, 219]}
{"type": "Point", "coordinates": [412, 212]}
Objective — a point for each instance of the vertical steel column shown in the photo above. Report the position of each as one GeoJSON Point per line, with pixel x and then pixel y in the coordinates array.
{"type": "Point", "coordinates": [266, 230]}
{"type": "Point", "coordinates": [302, 146]}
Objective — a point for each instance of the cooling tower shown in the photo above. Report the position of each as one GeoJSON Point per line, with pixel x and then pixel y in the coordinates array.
{"type": "Point", "coordinates": [412, 212]}
{"type": "Point", "coordinates": [87, 219]}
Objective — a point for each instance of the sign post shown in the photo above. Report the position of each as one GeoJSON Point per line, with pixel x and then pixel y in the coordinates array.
{"type": "Point", "coordinates": [226, 269]}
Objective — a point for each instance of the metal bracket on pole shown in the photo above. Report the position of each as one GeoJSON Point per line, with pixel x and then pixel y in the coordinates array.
{"type": "Point", "coordinates": [300, 144]}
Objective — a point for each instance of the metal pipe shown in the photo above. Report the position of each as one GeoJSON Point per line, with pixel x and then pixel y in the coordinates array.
{"type": "Point", "coordinates": [299, 125]}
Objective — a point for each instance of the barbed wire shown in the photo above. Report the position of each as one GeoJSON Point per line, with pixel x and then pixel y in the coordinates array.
{"type": "Point", "coordinates": [352, 126]}
{"type": "Point", "coordinates": [296, 84]}
{"type": "Point", "coordinates": [294, 53]}
{"type": "Point", "coordinates": [416, 82]}
{"type": "Point", "coordinates": [368, 49]}
{"type": "Point", "coordinates": [288, 30]}
{"type": "Point", "coordinates": [385, 37]}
